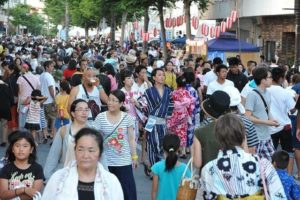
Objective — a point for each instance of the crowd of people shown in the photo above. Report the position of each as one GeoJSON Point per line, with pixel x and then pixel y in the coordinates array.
{"type": "Point", "coordinates": [93, 103]}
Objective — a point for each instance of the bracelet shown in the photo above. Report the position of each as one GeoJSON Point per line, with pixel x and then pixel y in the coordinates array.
{"type": "Point", "coordinates": [16, 192]}
{"type": "Point", "coordinates": [135, 157]}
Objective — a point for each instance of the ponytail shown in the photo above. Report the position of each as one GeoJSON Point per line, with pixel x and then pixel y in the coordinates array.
{"type": "Point", "coordinates": [171, 144]}
{"type": "Point", "coordinates": [171, 160]}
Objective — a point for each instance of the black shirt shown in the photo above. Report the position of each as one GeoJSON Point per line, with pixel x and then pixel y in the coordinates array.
{"type": "Point", "coordinates": [239, 80]}
{"type": "Point", "coordinates": [85, 191]}
{"type": "Point", "coordinates": [21, 177]}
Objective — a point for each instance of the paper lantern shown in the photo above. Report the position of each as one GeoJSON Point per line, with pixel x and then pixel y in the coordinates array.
{"type": "Point", "coordinates": [155, 32]}
{"type": "Point", "coordinates": [204, 29]}
{"type": "Point", "coordinates": [223, 27]}
{"type": "Point", "coordinates": [228, 22]}
{"type": "Point", "coordinates": [146, 37]}
{"type": "Point", "coordinates": [217, 31]}
{"type": "Point", "coordinates": [181, 19]}
{"type": "Point", "coordinates": [135, 25]}
{"type": "Point", "coordinates": [166, 23]}
{"type": "Point", "coordinates": [233, 15]}
{"type": "Point", "coordinates": [173, 22]}
{"type": "Point", "coordinates": [196, 23]}
{"type": "Point", "coordinates": [212, 31]}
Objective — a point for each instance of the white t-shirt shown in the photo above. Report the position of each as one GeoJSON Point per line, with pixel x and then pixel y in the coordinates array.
{"type": "Point", "coordinates": [210, 77]}
{"type": "Point", "coordinates": [246, 90]}
{"type": "Point", "coordinates": [34, 64]}
{"type": "Point", "coordinates": [47, 80]}
{"type": "Point", "coordinates": [281, 103]}
{"type": "Point", "coordinates": [139, 89]}
{"type": "Point", "coordinates": [215, 85]}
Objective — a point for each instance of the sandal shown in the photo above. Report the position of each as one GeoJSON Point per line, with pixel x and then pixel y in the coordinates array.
{"type": "Point", "coordinates": [183, 156]}
{"type": "Point", "coordinates": [147, 171]}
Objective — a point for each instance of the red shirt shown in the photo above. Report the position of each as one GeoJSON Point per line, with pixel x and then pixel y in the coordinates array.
{"type": "Point", "coordinates": [69, 73]}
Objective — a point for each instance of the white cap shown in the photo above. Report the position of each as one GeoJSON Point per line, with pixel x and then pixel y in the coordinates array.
{"type": "Point", "coordinates": [235, 98]}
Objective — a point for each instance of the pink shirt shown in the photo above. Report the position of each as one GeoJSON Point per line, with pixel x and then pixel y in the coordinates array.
{"type": "Point", "coordinates": [24, 87]}
{"type": "Point", "coordinates": [113, 82]}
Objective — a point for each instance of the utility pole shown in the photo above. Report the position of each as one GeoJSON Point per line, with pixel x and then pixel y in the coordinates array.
{"type": "Point", "coordinates": [67, 19]}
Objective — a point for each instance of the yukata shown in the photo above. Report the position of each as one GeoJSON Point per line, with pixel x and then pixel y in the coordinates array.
{"type": "Point", "coordinates": [236, 174]}
{"type": "Point", "coordinates": [191, 126]}
{"type": "Point", "coordinates": [160, 108]}
{"type": "Point", "coordinates": [131, 110]}
{"type": "Point", "coordinates": [184, 105]}
{"type": "Point", "coordinates": [292, 190]}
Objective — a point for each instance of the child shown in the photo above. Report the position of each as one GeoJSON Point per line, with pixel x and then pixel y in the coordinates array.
{"type": "Point", "coordinates": [61, 101]}
{"type": "Point", "coordinates": [33, 118]}
{"type": "Point", "coordinates": [168, 172]}
{"type": "Point", "coordinates": [22, 177]}
{"type": "Point", "coordinates": [184, 104]}
{"type": "Point", "coordinates": [280, 160]}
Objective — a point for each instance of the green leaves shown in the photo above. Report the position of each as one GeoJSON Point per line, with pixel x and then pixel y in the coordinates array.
{"type": "Point", "coordinates": [21, 16]}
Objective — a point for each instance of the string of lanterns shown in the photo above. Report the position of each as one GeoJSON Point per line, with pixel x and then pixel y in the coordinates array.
{"type": "Point", "coordinates": [212, 31]}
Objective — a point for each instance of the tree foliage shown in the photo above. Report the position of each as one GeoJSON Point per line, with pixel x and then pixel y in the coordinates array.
{"type": "Point", "coordinates": [21, 16]}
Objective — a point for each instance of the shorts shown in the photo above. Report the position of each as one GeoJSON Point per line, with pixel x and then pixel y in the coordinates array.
{"type": "Point", "coordinates": [285, 138]}
{"type": "Point", "coordinates": [50, 111]}
{"type": "Point", "coordinates": [296, 142]}
{"type": "Point", "coordinates": [32, 127]}
{"type": "Point", "coordinates": [61, 122]}
{"type": "Point", "coordinates": [265, 149]}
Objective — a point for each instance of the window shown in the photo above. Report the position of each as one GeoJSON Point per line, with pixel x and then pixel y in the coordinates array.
{"type": "Point", "coordinates": [270, 50]}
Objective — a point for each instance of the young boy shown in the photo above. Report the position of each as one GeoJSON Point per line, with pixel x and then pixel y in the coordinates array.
{"type": "Point", "coordinates": [280, 160]}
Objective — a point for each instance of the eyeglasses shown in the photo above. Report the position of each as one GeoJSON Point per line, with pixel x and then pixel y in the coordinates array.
{"type": "Point", "coordinates": [82, 110]}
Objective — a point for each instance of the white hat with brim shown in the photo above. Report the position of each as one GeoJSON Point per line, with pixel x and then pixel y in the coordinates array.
{"type": "Point", "coordinates": [130, 59]}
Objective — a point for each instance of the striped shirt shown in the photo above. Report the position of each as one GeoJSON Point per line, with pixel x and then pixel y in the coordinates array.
{"type": "Point", "coordinates": [33, 116]}
{"type": "Point", "coordinates": [116, 145]}
{"type": "Point", "coordinates": [251, 134]}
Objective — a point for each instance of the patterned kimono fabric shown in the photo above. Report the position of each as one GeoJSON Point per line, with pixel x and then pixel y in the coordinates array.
{"type": "Point", "coordinates": [161, 108]}
{"type": "Point", "coordinates": [191, 127]}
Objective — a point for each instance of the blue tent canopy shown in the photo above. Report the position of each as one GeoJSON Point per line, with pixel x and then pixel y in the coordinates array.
{"type": "Point", "coordinates": [228, 43]}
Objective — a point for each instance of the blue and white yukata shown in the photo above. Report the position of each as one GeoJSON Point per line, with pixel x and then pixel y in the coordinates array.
{"type": "Point", "coordinates": [160, 108]}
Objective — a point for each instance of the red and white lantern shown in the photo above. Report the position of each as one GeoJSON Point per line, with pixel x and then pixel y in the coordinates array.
{"type": "Point", "coordinates": [233, 15]}
{"type": "Point", "coordinates": [212, 31]}
{"type": "Point", "coordinates": [217, 31]}
{"type": "Point", "coordinates": [204, 29]}
{"type": "Point", "coordinates": [135, 25]}
{"type": "Point", "coordinates": [155, 32]}
{"type": "Point", "coordinates": [145, 37]}
{"type": "Point", "coordinates": [173, 21]}
{"type": "Point", "coordinates": [223, 27]}
{"type": "Point", "coordinates": [196, 23]}
{"type": "Point", "coordinates": [228, 22]}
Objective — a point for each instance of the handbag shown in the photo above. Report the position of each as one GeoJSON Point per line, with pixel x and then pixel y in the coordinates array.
{"type": "Point", "coordinates": [188, 186]}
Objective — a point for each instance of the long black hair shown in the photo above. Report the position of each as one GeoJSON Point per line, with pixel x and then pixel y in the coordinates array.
{"type": "Point", "coordinates": [16, 136]}
{"type": "Point", "coordinates": [171, 144]}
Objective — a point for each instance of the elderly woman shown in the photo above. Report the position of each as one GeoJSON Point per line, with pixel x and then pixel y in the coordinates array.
{"type": "Point", "coordinates": [85, 178]}
{"type": "Point", "coordinates": [235, 173]}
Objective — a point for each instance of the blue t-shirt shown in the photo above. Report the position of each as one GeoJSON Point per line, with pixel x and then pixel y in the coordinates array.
{"type": "Point", "coordinates": [168, 182]}
{"type": "Point", "coordinates": [296, 87]}
{"type": "Point", "coordinates": [291, 189]}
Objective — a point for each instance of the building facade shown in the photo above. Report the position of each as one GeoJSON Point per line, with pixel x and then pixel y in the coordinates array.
{"type": "Point", "coordinates": [268, 24]}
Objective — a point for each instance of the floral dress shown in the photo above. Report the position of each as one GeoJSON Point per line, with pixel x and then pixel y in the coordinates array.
{"type": "Point", "coordinates": [184, 104]}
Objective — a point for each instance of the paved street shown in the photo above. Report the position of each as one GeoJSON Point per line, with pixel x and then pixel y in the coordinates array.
{"type": "Point", "coordinates": [143, 183]}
